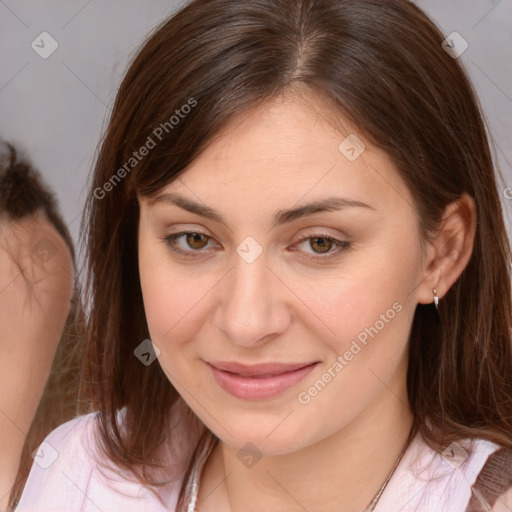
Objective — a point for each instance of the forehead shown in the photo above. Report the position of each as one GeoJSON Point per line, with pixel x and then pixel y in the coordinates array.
{"type": "Point", "coordinates": [288, 132]}
{"type": "Point", "coordinates": [288, 151]}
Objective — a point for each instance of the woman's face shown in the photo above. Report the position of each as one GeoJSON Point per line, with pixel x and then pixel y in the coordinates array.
{"type": "Point", "coordinates": [330, 292]}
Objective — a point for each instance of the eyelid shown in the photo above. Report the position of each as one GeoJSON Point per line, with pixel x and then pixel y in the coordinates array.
{"type": "Point", "coordinates": [342, 245]}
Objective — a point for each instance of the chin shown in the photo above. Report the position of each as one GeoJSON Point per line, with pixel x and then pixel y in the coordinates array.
{"type": "Point", "coordinates": [264, 437]}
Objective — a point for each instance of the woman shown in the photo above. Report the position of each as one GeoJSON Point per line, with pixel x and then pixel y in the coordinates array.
{"type": "Point", "coordinates": [298, 273]}
{"type": "Point", "coordinates": [37, 303]}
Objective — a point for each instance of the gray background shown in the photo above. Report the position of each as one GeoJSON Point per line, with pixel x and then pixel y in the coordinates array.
{"type": "Point", "coordinates": [55, 109]}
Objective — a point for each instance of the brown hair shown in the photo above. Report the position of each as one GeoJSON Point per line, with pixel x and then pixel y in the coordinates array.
{"type": "Point", "coordinates": [23, 193]}
{"type": "Point", "coordinates": [379, 64]}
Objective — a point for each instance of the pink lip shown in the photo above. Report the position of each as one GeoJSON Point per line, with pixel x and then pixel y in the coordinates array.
{"type": "Point", "coordinates": [254, 382]}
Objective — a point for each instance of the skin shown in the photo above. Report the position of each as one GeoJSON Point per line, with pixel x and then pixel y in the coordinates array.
{"type": "Point", "coordinates": [285, 307]}
{"type": "Point", "coordinates": [35, 298]}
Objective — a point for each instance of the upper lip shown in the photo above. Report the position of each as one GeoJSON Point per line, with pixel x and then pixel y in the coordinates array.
{"type": "Point", "coordinates": [258, 369]}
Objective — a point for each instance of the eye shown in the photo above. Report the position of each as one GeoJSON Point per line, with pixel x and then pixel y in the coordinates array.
{"type": "Point", "coordinates": [196, 241]}
{"type": "Point", "coordinates": [323, 243]}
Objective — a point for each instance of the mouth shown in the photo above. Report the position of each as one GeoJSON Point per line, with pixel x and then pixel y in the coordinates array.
{"type": "Point", "coordinates": [259, 381]}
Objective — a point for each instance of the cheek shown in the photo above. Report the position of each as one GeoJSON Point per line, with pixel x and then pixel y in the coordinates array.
{"type": "Point", "coordinates": [173, 304]}
{"type": "Point", "coordinates": [370, 315]}
{"type": "Point", "coordinates": [370, 304]}
{"type": "Point", "coordinates": [172, 313]}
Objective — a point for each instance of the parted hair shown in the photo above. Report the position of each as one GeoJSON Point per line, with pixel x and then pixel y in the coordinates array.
{"type": "Point", "coordinates": [378, 64]}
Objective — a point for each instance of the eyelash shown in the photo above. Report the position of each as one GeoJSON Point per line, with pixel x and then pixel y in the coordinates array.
{"type": "Point", "coordinates": [170, 241]}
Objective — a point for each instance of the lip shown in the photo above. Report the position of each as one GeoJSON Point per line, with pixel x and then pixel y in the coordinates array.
{"type": "Point", "coordinates": [259, 381]}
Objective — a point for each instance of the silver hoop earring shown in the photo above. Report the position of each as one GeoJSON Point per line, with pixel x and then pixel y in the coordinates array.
{"type": "Point", "coordinates": [436, 299]}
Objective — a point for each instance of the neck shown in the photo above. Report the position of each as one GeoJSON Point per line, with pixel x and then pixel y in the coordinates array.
{"type": "Point", "coordinates": [348, 467]}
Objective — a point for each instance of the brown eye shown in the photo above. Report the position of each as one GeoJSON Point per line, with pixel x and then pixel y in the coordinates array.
{"type": "Point", "coordinates": [188, 244]}
{"type": "Point", "coordinates": [196, 240]}
{"type": "Point", "coordinates": [323, 244]}
{"type": "Point", "coordinates": [321, 247]}
{"type": "Point", "coordinates": [193, 243]}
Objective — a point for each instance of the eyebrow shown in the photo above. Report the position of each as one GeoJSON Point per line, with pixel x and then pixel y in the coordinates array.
{"type": "Point", "coordinates": [328, 204]}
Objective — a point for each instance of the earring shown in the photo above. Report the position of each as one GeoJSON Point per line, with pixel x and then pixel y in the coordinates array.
{"type": "Point", "coordinates": [436, 299]}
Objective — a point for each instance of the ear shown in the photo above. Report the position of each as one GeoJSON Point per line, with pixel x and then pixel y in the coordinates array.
{"type": "Point", "coordinates": [448, 254]}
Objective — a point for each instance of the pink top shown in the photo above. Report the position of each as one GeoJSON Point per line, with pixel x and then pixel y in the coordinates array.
{"type": "Point", "coordinates": [65, 478]}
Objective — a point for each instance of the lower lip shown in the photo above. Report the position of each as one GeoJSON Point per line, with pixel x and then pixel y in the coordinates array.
{"type": "Point", "coordinates": [253, 388]}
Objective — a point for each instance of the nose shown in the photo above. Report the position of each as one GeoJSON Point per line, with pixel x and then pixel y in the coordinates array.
{"type": "Point", "coordinates": [253, 307]}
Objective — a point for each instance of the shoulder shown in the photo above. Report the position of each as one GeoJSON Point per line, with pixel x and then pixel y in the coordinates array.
{"type": "Point", "coordinates": [61, 466]}
{"type": "Point", "coordinates": [445, 481]}
{"type": "Point", "coordinates": [67, 474]}
{"type": "Point", "coordinates": [493, 484]}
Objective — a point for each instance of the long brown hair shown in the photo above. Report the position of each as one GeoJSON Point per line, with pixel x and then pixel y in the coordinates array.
{"type": "Point", "coordinates": [24, 193]}
{"type": "Point", "coordinates": [380, 64]}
